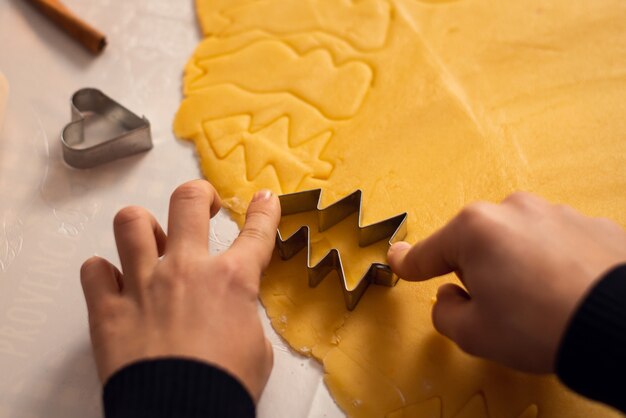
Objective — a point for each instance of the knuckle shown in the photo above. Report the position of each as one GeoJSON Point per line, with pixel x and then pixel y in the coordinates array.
{"type": "Point", "coordinates": [560, 207]}
{"type": "Point", "coordinates": [231, 266]}
{"type": "Point", "coordinates": [527, 203]}
{"type": "Point", "coordinates": [238, 274]}
{"type": "Point", "coordinates": [256, 232]}
{"type": "Point", "coordinates": [609, 225]}
{"type": "Point", "coordinates": [247, 288]}
{"type": "Point", "coordinates": [129, 214]}
{"type": "Point", "coordinates": [192, 190]}
{"type": "Point", "coordinates": [170, 287]}
{"type": "Point", "coordinates": [109, 307]}
{"type": "Point", "coordinates": [476, 217]}
{"type": "Point", "coordinates": [564, 209]}
{"type": "Point", "coordinates": [94, 262]}
{"type": "Point", "coordinates": [606, 222]}
{"type": "Point", "coordinates": [179, 268]}
{"type": "Point", "coordinates": [259, 212]}
{"type": "Point", "coordinates": [106, 313]}
{"type": "Point", "coordinates": [520, 198]}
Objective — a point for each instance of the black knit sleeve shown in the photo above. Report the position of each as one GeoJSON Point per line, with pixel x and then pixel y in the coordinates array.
{"type": "Point", "coordinates": [175, 388]}
{"type": "Point", "coordinates": [592, 356]}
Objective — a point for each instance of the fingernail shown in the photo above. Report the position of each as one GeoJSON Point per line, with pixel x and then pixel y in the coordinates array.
{"type": "Point", "coordinates": [400, 246]}
{"type": "Point", "coordinates": [262, 195]}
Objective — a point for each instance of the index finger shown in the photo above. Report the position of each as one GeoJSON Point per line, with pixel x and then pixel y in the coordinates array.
{"type": "Point", "coordinates": [258, 235]}
{"type": "Point", "coordinates": [432, 257]}
{"type": "Point", "coordinates": [440, 253]}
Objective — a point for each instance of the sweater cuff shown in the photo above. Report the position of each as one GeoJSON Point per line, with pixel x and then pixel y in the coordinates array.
{"type": "Point", "coordinates": [174, 387]}
{"type": "Point", "coordinates": [592, 356]}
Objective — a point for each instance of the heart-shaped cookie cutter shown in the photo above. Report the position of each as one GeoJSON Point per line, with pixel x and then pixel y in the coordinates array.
{"type": "Point", "coordinates": [392, 229]}
{"type": "Point", "coordinates": [135, 138]}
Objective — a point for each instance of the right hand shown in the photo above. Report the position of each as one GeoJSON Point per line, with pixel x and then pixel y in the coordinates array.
{"type": "Point", "coordinates": [525, 264]}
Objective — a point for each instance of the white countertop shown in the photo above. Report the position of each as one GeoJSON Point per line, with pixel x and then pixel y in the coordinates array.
{"type": "Point", "coordinates": [53, 217]}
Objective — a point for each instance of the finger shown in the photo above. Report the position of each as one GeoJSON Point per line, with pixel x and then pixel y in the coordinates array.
{"type": "Point", "coordinates": [443, 251]}
{"type": "Point", "coordinates": [140, 241]}
{"type": "Point", "coordinates": [434, 256]}
{"type": "Point", "coordinates": [192, 206]}
{"type": "Point", "coordinates": [99, 279]}
{"type": "Point", "coordinates": [269, 350]}
{"type": "Point", "coordinates": [258, 235]}
{"type": "Point", "coordinates": [525, 199]}
{"type": "Point", "coordinates": [451, 312]}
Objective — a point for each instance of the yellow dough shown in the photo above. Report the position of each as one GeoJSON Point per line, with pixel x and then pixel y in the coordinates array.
{"type": "Point", "coordinates": [4, 94]}
{"type": "Point", "coordinates": [425, 105]}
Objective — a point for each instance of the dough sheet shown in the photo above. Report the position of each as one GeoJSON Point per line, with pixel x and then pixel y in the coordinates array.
{"type": "Point", "coordinates": [425, 105]}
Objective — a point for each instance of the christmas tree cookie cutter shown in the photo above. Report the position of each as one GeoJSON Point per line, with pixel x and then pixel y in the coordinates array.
{"type": "Point", "coordinates": [393, 229]}
{"type": "Point", "coordinates": [135, 134]}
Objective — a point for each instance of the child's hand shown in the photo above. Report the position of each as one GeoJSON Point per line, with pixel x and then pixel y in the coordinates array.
{"type": "Point", "coordinates": [187, 303]}
{"type": "Point", "coordinates": [526, 264]}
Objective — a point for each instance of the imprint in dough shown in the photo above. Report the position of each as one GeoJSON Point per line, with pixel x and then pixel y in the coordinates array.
{"type": "Point", "coordinates": [425, 106]}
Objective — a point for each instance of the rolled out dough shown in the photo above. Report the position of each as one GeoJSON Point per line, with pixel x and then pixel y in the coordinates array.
{"type": "Point", "coordinates": [425, 105]}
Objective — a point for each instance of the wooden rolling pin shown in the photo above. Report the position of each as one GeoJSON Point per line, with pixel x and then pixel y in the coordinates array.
{"type": "Point", "coordinates": [88, 36]}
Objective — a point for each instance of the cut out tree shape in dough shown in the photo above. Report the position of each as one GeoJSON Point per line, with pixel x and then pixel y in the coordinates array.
{"type": "Point", "coordinates": [426, 106]}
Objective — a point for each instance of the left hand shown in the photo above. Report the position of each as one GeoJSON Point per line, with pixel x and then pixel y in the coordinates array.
{"type": "Point", "coordinates": [173, 299]}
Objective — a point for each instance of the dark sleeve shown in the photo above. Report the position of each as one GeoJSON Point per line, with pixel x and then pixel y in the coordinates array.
{"type": "Point", "coordinates": [592, 356]}
{"type": "Point", "coordinates": [175, 388]}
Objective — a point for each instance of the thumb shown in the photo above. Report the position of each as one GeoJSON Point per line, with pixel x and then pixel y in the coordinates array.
{"type": "Point", "coordinates": [258, 235]}
{"type": "Point", "coordinates": [452, 314]}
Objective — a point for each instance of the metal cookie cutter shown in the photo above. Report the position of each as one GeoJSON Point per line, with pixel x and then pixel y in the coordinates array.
{"type": "Point", "coordinates": [393, 229]}
{"type": "Point", "coordinates": [135, 137]}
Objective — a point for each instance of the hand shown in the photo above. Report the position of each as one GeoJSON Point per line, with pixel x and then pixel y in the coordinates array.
{"type": "Point", "coordinates": [525, 265]}
{"type": "Point", "coordinates": [187, 303]}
